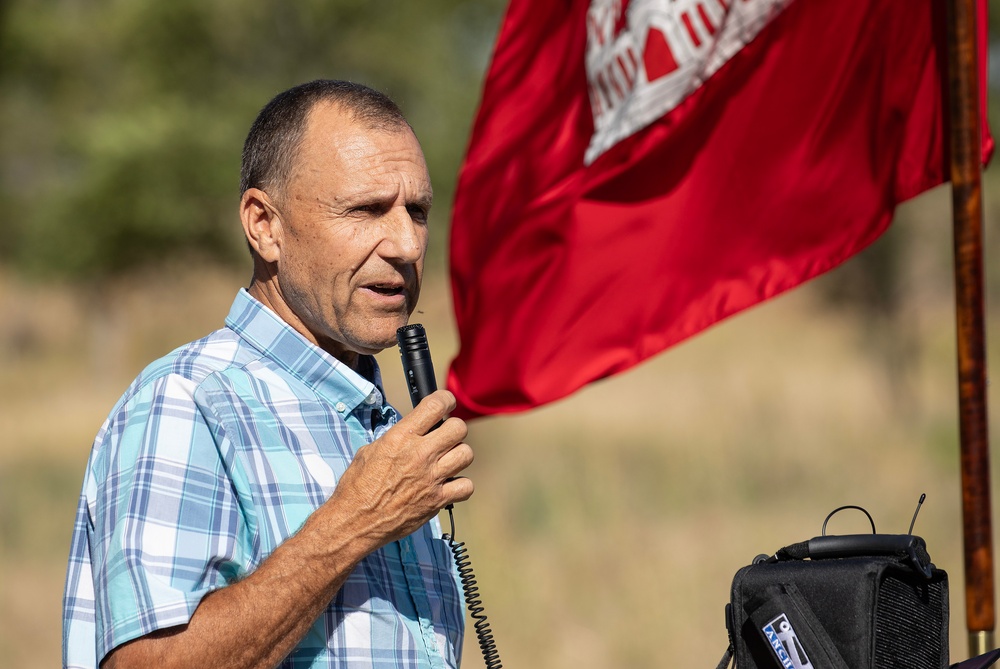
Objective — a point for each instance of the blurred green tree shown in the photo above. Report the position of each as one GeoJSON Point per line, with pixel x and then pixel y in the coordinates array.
{"type": "Point", "coordinates": [124, 120]}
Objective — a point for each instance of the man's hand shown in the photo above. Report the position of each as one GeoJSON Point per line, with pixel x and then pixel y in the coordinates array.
{"type": "Point", "coordinates": [400, 481]}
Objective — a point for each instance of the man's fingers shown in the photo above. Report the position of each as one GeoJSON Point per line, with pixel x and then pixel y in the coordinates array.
{"type": "Point", "coordinates": [455, 460]}
{"type": "Point", "coordinates": [441, 440]}
{"type": "Point", "coordinates": [457, 489]}
{"type": "Point", "coordinates": [430, 411]}
{"type": "Point", "coordinates": [451, 431]}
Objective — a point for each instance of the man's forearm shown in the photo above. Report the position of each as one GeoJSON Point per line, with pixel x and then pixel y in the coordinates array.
{"type": "Point", "coordinates": [257, 621]}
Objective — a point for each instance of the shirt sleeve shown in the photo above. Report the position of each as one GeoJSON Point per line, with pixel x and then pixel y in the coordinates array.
{"type": "Point", "coordinates": [168, 526]}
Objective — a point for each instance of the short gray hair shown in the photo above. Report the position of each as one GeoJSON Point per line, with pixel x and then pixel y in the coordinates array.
{"type": "Point", "coordinates": [273, 141]}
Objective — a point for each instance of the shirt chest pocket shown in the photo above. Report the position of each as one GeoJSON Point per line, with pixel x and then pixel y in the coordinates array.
{"type": "Point", "coordinates": [293, 461]}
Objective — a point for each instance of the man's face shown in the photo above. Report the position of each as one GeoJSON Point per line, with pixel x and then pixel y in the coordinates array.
{"type": "Point", "coordinates": [353, 233]}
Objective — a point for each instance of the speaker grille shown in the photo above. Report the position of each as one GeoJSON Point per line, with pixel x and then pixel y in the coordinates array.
{"type": "Point", "coordinates": [911, 624]}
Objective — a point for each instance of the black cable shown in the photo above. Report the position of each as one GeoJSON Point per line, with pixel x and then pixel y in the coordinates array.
{"type": "Point", "coordinates": [420, 381]}
{"type": "Point", "coordinates": [487, 645]}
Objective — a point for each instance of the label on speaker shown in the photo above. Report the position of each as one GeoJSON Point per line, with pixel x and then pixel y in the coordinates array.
{"type": "Point", "coordinates": [785, 644]}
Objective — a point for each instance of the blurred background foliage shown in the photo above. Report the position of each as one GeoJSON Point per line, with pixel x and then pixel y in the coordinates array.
{"type": "Point", "coordinates": [124, 120]}
{"type": "Point", "coordinates": [122, 124]}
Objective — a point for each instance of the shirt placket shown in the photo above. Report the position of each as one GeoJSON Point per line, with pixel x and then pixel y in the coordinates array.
{"type": "Point", "coordinates": [359, 422]}
{"type": "Point", "coordinates": [421, 602]}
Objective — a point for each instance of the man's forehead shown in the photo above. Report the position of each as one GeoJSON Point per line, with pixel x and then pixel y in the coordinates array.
{"type": "Point", "coordinates": [369, 117]}
{"type": "Point", "coordinates": [339, 145]}
{"type": "Point", "coordinates": [335, 120]}
{"type": "Point", "coordinates": [331, 127]}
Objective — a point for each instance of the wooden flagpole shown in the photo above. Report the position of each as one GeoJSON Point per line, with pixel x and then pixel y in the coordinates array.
{"type": "Point", "coordinates": [966, 184]}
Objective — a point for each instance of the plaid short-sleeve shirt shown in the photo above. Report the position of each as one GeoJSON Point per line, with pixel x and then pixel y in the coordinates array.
{"type": "Point", "coordinates": [215, 455]}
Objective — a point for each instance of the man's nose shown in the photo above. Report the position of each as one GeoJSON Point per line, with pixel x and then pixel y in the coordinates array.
{"type": "Point", "coordinates": [404, 238]}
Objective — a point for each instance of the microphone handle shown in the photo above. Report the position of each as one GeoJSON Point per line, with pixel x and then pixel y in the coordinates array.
{"type": "Point", "coordinates": [417, 365]}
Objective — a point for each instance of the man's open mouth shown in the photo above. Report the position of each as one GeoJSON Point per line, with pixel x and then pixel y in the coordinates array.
{"type": "Point", "coordinates": [385, 288]}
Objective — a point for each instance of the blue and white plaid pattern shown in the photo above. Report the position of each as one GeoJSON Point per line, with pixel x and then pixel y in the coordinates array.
{"type": "Point", "coordinates": [215, 455]}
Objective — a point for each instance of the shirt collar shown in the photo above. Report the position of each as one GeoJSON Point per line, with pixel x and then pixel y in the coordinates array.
{"type": "Point", "coordinates": [274, 338]}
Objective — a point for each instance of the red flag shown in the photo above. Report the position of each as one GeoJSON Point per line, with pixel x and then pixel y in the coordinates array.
{"type": "Point", "coordinates": [640, 170]}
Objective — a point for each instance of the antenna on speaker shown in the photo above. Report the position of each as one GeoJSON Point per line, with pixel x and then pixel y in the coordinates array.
{"type": "Point", "coordinates": [920, 503]}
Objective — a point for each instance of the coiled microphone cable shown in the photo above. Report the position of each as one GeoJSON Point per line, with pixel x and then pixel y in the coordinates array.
{"type": "Point", "coordinates": [420, 381]}
{"type": "Point", "coordinates": [487, 645]}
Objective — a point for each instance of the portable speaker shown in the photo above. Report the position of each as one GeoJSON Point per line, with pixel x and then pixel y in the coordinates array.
{"type": "Point", "coordinates": [841, 602]}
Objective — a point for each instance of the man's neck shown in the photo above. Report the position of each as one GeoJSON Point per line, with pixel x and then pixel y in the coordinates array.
{"type": "Point", "coordinates": [264, 292]}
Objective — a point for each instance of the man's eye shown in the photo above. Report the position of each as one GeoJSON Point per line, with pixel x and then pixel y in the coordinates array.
{"type": "Point", "coordinates": [417, 213]}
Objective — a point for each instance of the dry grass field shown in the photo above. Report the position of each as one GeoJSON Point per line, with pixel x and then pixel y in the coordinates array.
{"type": "Point", "coordinates": [606, 528]}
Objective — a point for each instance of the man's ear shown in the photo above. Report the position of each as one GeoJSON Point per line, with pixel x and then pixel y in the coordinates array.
{"type": "Point", "coordinates": [261, 224]}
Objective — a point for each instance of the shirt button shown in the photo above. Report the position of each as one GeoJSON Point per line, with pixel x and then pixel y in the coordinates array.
{"type": "Point", "coordinates": [341, 407]}
{"type": "Point", "coordinates": [371, 398]}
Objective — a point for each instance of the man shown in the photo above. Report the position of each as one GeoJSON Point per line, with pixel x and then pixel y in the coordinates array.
{"type": "Point", "coordinates": [251, 500]}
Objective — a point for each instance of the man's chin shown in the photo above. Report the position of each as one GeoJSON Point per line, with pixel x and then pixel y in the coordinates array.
{"type": "Point", "coordinates": [378, 336]}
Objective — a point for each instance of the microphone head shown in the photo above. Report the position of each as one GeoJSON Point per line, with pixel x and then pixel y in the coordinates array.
{"type": "Point", "coordinates": [412, 338]}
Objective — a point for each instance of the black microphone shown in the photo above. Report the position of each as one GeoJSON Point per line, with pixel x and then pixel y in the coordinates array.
{"type": "Point", "coordinates": [417, 365]}
{"type": "Point", "coordinates": [419, 371]}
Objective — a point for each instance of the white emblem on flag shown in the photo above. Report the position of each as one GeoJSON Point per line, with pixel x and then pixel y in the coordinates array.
{"type": "Point", "coordinates": [644, 57]}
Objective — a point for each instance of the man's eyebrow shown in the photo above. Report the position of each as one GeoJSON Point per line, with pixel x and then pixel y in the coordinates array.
{"type": "Point", "coordinates": [425, 200]}
{"type": "Point", "coordinates": [365, 196]}
{"type": "Point", "coordinates": [381, 198]}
